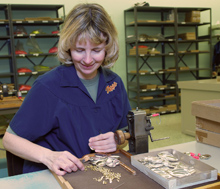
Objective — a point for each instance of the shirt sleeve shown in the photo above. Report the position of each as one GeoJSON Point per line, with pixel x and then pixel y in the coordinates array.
{"type": "Point", "coordinates": [35, 117]}
{"type": "Point", "coordinates": [9, 130]}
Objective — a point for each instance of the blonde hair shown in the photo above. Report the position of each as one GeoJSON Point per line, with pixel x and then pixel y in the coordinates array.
{"type": "Point", "coordinates": [88, 20]}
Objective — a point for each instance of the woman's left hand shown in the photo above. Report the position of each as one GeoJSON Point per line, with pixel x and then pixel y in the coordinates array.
{"type": "Point", "coordinates": [103, 143]}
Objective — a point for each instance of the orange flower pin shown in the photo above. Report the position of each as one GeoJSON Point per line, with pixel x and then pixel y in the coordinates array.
{"type": "Point", "coordinates": [111, 88]}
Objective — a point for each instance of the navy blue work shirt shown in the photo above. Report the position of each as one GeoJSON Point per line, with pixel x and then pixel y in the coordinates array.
{"type": "Point", "coordinates": [58, 112]}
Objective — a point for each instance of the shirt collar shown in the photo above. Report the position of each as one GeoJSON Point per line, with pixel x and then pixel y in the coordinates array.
{"type": "Point", "coordinates": [69, 76]}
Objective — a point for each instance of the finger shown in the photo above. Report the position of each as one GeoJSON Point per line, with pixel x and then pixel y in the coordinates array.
{"type": "Point", "coordinates": [78, 165]}
{"type": "Point", "coordinates": [69, 168]}
{"type": "Point", "coordinates": [70, 163]}
{"type": "Point", "coordinates": [105, 144]}
{"type": "Point", "coordinates": [75, 163]}
{"type": "Point", "coordinates": [106, 150]}
{"type": "Point", "coordinates": [58, 171]}
{"type": "Point", "coordinates": [103, 147]}
{"type": "Point", "coordinates": [63, 162]}
{"type": "Point", "coordinates": [100, 137]}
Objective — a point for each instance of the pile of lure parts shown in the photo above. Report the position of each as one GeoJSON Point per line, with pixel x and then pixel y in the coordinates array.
{"type": "Point", "coordinates": [97, 164]}
{"type": "Point", "coordinates": [167, 165]}
{"type": "Point", "coordinates": [104, 160]}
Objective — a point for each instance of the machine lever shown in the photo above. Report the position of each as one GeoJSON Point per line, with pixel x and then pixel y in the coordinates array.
{"type": "Point", "coordinates": [139, 127]}
{"type": "Point", "coordinates": [152, 140]}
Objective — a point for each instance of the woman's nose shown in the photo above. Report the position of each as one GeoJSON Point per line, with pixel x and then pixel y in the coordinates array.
{"type": "Point", "coordinates": [88, 58]}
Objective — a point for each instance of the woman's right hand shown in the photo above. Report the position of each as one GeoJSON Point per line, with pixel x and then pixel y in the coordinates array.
{"type": "Point", "coordinates": [62, 162]}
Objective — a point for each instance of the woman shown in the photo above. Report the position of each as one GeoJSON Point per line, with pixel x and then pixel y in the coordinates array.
{"type": "Point", "coordinates": [77, 106]}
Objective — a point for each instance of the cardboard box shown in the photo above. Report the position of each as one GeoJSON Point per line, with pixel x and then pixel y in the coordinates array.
{"type": "Point", "coordinates": [146, 97]}
{"type": "Point", "coordinates": [140, 71]}
{"type": "Point", "coordinates": [207, 109]}
{"type": "Point", "coordinates": [193, 13]}
{"type": "Point", "coordinates": [206, 124]}
{"type": "Point", "coordinates": [166, 95]}
{"type": "Point", "coordinates": [148, 86]}
{"type": "Point", "coordinates": [140, 51]}
{"type": "Point", "coordinates": [192, 16]}
{"type": "Point", "coordinates": [192, 19]}
{"type": "Point", "coordinates": [207, 121]}
{"type": "Point", "coordinates": [187, 36]}
{"type": "Point", "coordinates": [161, 86]}
{"type": "Point", "coordinates": [208, 137]}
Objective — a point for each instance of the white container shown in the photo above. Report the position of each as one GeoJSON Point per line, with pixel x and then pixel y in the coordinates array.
{"type": "Point", "coordinates": [204, 173]}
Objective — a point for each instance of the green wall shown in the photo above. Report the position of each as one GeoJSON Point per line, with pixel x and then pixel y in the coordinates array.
{"type": "Point", "coordinates": [116, 10]}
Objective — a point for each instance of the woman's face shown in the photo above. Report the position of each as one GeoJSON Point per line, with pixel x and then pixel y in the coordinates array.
{"type": "Point", "coordinates": [87, 58]}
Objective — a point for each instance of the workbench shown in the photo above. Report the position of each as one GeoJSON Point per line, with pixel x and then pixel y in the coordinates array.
{"type": "Point", "coordinates": [207, 89]}
{"type": "Point", "coordinates": [5, 111]}
{"type": "Point", "coordinates": [10, 105]}
{"type": "Point", "coordinates": [45, 179]}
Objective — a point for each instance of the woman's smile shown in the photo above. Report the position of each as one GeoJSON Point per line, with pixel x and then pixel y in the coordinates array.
{"type": "Point", "coordinates": [87, 58]}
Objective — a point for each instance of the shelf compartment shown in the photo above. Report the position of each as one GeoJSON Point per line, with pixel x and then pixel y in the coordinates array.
{"type": "Point", "coordinates": [153, 99]}
{"type": "Point", "coordinates": [45, 22]}
{"type": "Point", "coordinates": [151, 90]}
{"type": "Point", "coordinates": [31, 73]}
{"type": "Point", "coordinates": [37, 35]}
{"type": "Point", "coordinates": [133, 40]}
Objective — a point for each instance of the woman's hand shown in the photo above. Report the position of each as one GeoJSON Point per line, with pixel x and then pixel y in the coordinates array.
{"type": "Point", "coordinates": [103, 143]}
{"type": "Point", "coordinates": [62, 162]}
{"type": "Point", "coordinates": [59, 162]}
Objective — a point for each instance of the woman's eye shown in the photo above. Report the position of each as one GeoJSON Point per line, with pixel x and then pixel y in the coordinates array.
{"type": "Point", "coordinates": [79, 50]}
{"type": "Point", "coordinates": [97, 50]}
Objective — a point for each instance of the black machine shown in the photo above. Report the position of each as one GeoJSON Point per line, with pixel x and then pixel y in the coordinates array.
{"type": "Point", "coordinates": [139, 126]}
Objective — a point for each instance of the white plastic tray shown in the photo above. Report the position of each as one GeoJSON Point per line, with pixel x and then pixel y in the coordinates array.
{"type": "Point", "coordinates": [204, 173]}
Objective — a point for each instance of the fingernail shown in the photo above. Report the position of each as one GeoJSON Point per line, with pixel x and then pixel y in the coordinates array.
{"type": "Point", "coordinates": [91, 148]}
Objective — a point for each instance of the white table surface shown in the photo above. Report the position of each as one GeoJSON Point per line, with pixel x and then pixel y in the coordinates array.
{"type": "Point", "coordinates": [36, 180]}
{"type": "Point", "coordinates": [45, 179]}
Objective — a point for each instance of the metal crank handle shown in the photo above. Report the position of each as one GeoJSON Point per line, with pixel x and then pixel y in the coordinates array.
{"type": "Point", "coordinates": [161, 138]}
{"type": "Point", "coordinates": [152, 140]}
{"type": "Point", "coordinates": [132, 171]}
